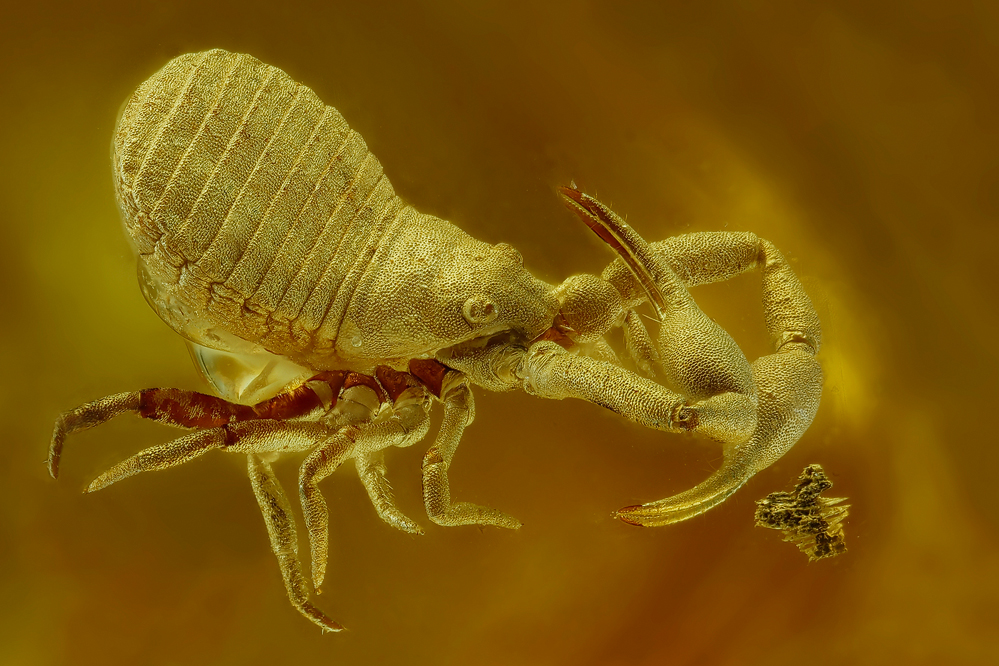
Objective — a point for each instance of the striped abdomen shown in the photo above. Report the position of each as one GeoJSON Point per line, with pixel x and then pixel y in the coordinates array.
{"type": "Point", "coordinates": [253, 206]}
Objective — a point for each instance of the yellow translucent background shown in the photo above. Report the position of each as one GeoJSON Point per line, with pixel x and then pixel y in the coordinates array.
{"type": "Point", "coordinates": [860, 137]}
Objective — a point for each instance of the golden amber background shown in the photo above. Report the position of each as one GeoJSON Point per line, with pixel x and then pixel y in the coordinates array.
{"type": "Point", "coordinates": [860, 137]}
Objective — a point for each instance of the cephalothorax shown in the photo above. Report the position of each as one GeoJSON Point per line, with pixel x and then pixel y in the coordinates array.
{"type": "Point", "coordinates": [329, 315]}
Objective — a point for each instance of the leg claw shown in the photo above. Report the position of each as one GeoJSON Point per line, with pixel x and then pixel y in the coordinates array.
{"type": "Point", "coordinates": [627, 515]}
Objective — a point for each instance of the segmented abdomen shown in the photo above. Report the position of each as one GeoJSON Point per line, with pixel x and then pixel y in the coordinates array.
{"type": "Point", "coordinates": [248, 199]}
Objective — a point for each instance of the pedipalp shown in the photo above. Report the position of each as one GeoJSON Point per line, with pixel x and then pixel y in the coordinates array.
{"type": "Point", "coordinates": [787, 385]}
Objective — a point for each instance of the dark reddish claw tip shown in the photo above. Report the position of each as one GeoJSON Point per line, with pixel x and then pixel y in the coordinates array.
{"type": "Point", "coordinates": [320, 618]}
{"type": "Point", "coordinates": [592, 206]}
{"type": "Point", "coordinates": [622, 515]}
{"type": "Point", "coordinates": [589, 204]}
{"type": "Point", "coordinates": [571, 193]}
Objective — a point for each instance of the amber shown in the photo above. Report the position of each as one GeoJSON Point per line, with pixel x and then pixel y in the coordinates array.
{"type": "Point", "coordinates": [858, 137]}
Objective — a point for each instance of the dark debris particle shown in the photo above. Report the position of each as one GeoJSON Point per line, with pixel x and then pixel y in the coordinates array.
{"type": "Point", "coordinates": [811, 522]}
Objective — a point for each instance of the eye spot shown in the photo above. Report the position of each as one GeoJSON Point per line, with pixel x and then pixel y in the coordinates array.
{"type": "Point", "coordinates": [479, 310]}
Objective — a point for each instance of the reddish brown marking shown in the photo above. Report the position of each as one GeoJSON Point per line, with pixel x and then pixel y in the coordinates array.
{"type": "Point", "coordinates": [571, 193]}
{"type": "Point", "coordinates": [357, 379]}
{"type": "Point", "coordinates": [687, 418]}
{"type": "Point", "coordinates": [632, 249]}
{"type": "Point", "coordinates": [335, 380]}
{"type": "Point", "coordinates": [623, 515]}
{"type": "Point", "coordinates": [556, 335]}
{"type": "Point", "coordinates": [577, 198]}
{"type": "Point", "coordinates": [229, 436]}
{"type": "Point", "coordinates": [302, 399]}
{"type": "Point", "coordinates": [296, 402]}
{"type": "Point", "coordinates": [331, 377]}
{"type": "Point", "coordinates": [393, 381]}
{"type": "Point", "coordinates": [429, 371]}
{"type": "Point", "coordinates": [189, 409]}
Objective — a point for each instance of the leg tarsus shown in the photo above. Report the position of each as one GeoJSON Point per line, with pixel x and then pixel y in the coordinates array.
{"type": "Point", "coordinates": [445, 513]}
{"type": "Point", "coordinates": [316, 467]}
{"type": "Point", "coordinates": [277, 514]}
{"type": "Point", "coordinates": [123, 470]}
{"type": "Point", "coordinates": [85, 417]}
{"type": "Point", "coordinates": [408, 425]}
{"type": "Point", "coordinates": [244, 437]}
{"type": "Point", "coordinates": [371, 471]}
{"type": "Point", "coordinates": [459, 412]}
{"type": "Point", "coordinates": [177, 452]}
